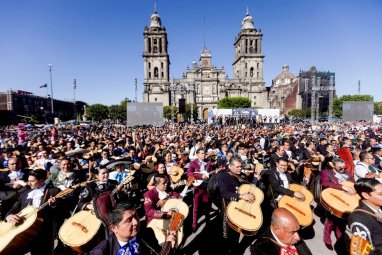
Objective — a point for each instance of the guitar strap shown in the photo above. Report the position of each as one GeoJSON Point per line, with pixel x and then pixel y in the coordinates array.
{"type": "Point", "coordinates": [46, 196]}
{"type": "Point", "coordinates": [379, 218]}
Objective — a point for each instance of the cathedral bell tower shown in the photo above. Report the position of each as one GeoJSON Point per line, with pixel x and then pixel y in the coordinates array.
{"type": "Point", "coordinates": [248, 64]}
{"type": "Point", "coordinates": [156, 62]}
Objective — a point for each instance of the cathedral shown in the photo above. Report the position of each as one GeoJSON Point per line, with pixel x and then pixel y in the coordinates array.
{"type": "Point", "coordinates": [203, 84]}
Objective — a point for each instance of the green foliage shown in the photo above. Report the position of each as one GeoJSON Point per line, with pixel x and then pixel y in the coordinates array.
{"type": "Point", "coordinates": [298, 113]}
{"type": "Point", "coordinates": [167, 112]}
{"type": "Point", "coordinates": [378, 108]}
{"type": "Point", "coordinates": [119, 112]}
{"type": "Point", "coordinates": [337, 103]}
{"type": "Point", "coordinates": [234, 102]}
{"type": "Point", "coordinates": [187, 114]}
{"type": "Point", "coordinates": [116, 112]}
{"type": "Point", "coordinates": [97, 112]}
{"type": "Point", "coordinates": [30, 120]}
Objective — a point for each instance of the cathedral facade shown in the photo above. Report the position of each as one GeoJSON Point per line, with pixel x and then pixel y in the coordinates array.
{"type": "Point", "coordinates": [203, 84]}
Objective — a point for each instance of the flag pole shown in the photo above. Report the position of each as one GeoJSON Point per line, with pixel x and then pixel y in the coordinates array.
{"type": "Point", "coordinates": [51, 87]}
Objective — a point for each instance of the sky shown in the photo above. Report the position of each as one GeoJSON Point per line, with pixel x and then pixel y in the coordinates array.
{"type": "Point", "coordinates": [100, 42]}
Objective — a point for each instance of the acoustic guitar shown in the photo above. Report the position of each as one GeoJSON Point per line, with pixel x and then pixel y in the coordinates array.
{"type": "Point", "coordinates": [175, 225]}
{"type": "Point", "coordinates": [198, 182]}
{"type": "Point", "coordinates": [12, 237]}
{"type": "Point", "coordinates": [339, 202]}
{"type": "Point", "coordinates": [245, 217]}
{"type": "Point", "coordinates": [177, 205]}
{"type": "Point", "coordinates": [300, 209]}
{"type": "Point", "coordinates": [176, 173]}
{"type": "Point", "coordinates": [80, 231]}
{"type": "Point", "coordinates": [360, 246]}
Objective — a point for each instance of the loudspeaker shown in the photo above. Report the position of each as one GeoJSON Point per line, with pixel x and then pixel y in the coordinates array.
{"type": "Point", "coordinates": [182, 105]}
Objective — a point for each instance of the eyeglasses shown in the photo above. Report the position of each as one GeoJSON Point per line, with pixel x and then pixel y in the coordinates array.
{"type": "Point", "coordinates": [371, 158]}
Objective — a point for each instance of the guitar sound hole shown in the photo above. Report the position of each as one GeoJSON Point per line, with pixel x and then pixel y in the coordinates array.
{"type": "Point", "coordinates": [22, 220]}
{"type": "Point", "coordinates": [174, 210]}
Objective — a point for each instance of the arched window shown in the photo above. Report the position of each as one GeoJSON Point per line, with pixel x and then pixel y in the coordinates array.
{"type": "Point", "coordinates": [251, 72]}
{"type": "Point", "coordinates": [156, 72]}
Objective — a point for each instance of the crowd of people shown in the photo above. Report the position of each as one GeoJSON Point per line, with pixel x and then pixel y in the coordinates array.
{"type": "Point", "coordinates": [138, 182]}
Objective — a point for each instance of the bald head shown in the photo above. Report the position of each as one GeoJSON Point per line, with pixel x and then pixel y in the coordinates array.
{"type": "Point", "coordinates": [282, 217]}
{"type": "Point", "coordinates": [285, 226]}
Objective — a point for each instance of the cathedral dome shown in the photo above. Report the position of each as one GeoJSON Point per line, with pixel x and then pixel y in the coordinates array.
{"type": "Point", "coordinates": [155, 20]}
{"type": "Point", "coordinates": [247, 22]}
{"type": "Point", "coordinates": [285, 77]}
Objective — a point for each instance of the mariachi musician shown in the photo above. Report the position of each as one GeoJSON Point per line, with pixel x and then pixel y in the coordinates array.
{"type": "Point", "coordinates": [154, 200]}
{"type": "Point", "coordinates": [366, 219]}
{"type": "Point", "coordinates": [200, 170]}
{"type": "Point", "coordinates": [101, 184]}
{"type": "Point", "coordinates": [277, 183]}
{"type": "Point", "coordinates": [37, 193]}
{"type": "Point", "coordinates": [228, 185]}
{"type": "Point", "coordinates": [332, 178]}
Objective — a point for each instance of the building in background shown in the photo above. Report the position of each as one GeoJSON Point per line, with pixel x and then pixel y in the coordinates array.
{"type": "Point", "coordinates": [283, 93]}
{"type": "Point", "coordinates": [317, 91]}
{"type": "Point", "coordinates": [17, 104]}
{"type": "Point", "coordinates": [203, 84]}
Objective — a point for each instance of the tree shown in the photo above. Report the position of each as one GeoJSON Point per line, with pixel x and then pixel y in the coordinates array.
{"type": "Point", "coordinates": [234, 102]}
{"type": "Point", "coordinates": [116, 112]}
{"type": "Point", "coordinates": [167, 112]}
{"type": "Point", "coordinates": [119, 112]}
{"type": "Point", "coordinates": [299, 113]}
{"type": "Point", "coordinates": [378, 108]}
{"type": "Point", "coordinates": [187, 114]}
{"type": "Point", "coordinates": [337, 103]}
{"type": "Point", "coordinates": [97, 112]}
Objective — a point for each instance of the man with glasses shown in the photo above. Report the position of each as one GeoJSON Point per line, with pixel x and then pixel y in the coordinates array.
{"type": "Point", "coordinates": [277, 183]}
{"type": "Point", "coordinates": [364, 168]}
{"type": "Point", "coordinates": [228, 185]}
{"type": "Point", "coordinates": [332, 178]}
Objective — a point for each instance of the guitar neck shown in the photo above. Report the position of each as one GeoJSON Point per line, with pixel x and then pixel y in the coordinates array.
{"type": "Point", "coordinates": [60, 194]}
{"type": "Point", "coordinates": [64, 193]}
{"type": "Point", "coordinates": [127, 180]}
{"type": "Point", "coordinates": [165, 248]}
{"type": "Point", "coordinates": [116, 189]}
{"type": "Point", "coordinates": [183, 193]}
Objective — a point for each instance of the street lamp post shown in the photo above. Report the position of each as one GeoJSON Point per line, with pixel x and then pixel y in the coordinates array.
{"type": "Point", "coordinates": [192, 90]}
{"type": "Point", "coordinates": [51, 87]}
{"type": "Point", "coordinates": [42, 112]}
{"type": "Point", "coordinates": [172, 98]}
{"type": "Point", "coordinates": [74, 94]}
